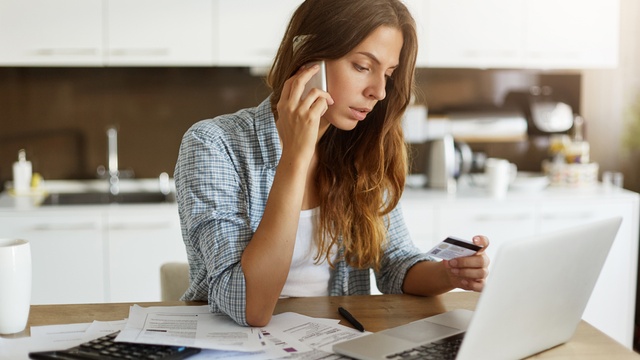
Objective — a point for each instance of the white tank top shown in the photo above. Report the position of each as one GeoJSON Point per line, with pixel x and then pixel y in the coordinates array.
{"type": "Point", "coordinates": [306, 278]}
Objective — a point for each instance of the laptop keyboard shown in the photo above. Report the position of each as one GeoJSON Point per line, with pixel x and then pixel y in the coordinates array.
{"type": "Point", "coordinates": [106, 348]}
{"type": "Point", "coordinates": [444, 349]}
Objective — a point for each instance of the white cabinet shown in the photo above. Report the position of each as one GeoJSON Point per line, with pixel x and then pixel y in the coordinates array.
{"type": "Point", "coordinates": [251, 31]}
{"type": "Point", "coordinates": [544, 34]}
{"type": "Point", "coordinates": [617, 283]}
{"type": "Point", "coordinates": [51, 33]}
{"type": "Point", "coordinates": [469, 33]}
{"type": "Point", "coordinates": [67, 254]}
{"type": "Point", "coordinates": [570, 33]}
{"type": "Point", "coordinates": [139, 243]}
{"type": "Point", "coordinates": [612, 305]}
{"type": "Point", "coordinates": [94, 254]}
{"type": "Point", "coordinates": [159, 32]}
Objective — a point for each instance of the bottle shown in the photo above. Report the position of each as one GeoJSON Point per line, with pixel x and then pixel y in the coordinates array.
{"type": "Point", "coordinates": [22, 174]}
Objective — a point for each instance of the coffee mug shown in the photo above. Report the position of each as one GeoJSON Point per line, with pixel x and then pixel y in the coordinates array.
{"type": "Point", "coordinates": [15, 285]}
{"type": "Point", "coordinates": [499, 173]}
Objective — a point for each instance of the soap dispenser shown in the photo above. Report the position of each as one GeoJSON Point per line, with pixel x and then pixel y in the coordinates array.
{"type": "Point", "coordinates": [22, 172]}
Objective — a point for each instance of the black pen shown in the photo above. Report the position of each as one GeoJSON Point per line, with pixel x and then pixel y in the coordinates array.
{"type": "Point", "coordinates": [350, 319]}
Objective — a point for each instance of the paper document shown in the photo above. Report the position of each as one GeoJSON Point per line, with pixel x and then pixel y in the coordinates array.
{"type": "Point", "coordinates": [294, 337]}
{"type": "Point", "coordinates": [191, 326]}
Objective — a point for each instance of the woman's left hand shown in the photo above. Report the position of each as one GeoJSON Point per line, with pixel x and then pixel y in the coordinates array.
{"type": "Point", "coordinates": [470, 272]}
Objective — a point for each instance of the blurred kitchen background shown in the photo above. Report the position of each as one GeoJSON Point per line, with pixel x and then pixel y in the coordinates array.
{"type": "Point", "coordinates": [57, 98]}
{"type": "Point", "coordinates": [71, 69]}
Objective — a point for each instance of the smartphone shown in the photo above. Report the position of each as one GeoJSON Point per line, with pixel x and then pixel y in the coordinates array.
{"type": "Point", "coordinates": [451, 248]}
{"type": "Point", "coordinates": [319, 80]}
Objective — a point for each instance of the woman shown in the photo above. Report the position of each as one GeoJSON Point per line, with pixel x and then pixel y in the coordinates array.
{"type": "Point", "coordinates": [299, 196]}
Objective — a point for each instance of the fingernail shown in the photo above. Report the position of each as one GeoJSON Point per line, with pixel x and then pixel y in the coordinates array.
{"type": "Point", "coordinates": [453, 262]}
{"type": "Point", "coordinates": [455, 271]}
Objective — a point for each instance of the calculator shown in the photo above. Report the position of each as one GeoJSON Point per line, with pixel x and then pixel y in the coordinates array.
{"type": "Point", "coordinates": [106, 348]}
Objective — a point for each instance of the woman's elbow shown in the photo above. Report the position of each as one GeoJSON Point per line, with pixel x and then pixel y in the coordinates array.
{"type": "Point", "coordinates": [258, 318]}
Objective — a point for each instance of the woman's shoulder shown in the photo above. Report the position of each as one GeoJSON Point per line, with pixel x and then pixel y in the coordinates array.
{"type": "Point", "coordinates": [238, 125]}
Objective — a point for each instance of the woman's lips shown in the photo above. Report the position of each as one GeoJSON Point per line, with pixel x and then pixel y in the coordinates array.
{"type": "Point", "coordinates": [359, 113]}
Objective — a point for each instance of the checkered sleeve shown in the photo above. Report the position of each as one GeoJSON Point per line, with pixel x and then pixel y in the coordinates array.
{"type": "Point", "coordinates": [399, 256]}
{"type": "Point", "coordinates": [213, 209]}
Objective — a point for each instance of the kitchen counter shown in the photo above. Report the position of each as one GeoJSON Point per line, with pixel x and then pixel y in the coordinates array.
{"type": "Point", "coordinates": [432, 215]}
{"type": "Point", "coordinates": [11, 202]}
{"type": "Point", "coordinates": [123, 246]}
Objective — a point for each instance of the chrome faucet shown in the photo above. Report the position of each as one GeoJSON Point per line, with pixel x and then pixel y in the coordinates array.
{"type": "Point", "coordinates": [114, 180]}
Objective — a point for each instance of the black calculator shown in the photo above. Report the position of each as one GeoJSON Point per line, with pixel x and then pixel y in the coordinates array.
{"type": "Point", "coordinates": [106, 348]}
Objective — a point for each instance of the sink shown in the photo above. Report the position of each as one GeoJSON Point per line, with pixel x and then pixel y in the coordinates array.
{"type": "Point", "coordinates": [97, 198]}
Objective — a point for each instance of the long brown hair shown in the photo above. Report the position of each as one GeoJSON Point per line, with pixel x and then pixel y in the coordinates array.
{"type": "Point", "coordinates": [361, 173]}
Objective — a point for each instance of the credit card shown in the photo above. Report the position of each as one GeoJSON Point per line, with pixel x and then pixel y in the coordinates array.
{"type": "Point", "coordinates": [451, 248]}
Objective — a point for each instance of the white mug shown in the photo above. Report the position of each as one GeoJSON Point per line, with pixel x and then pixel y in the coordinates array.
{"type": "Point", "coordinates": [15, 285]}
{"type": "Point", "coordinates": [499, 173]}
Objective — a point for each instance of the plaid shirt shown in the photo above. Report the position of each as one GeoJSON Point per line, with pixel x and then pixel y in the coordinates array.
{"type": "Point", "coordinates": [223, 176]}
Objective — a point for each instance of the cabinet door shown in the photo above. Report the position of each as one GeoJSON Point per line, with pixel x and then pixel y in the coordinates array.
{"type": "Point", "coordinates": [571, 33]}
{"type": "Point", "coordinates": [418, 9]}
{"type": "Point", "coordinates": [159, 32]}
{"type": "Point", "coordinates": [499, 221]}
{"type": "Point", "coordinates": [43, 32]}
{"type": "Point", "coordinates": [419, 217]}
{"type": "Point", "coordinates": [469, 33]}
{"type": "Point", "coordinates": [66, 252]}
{"type": "Point", "coordinates": [250, 31]}
{"type": "Point", "coordinates": [141, 239]}
{"type": "Point", "coordinates": [612, 303]}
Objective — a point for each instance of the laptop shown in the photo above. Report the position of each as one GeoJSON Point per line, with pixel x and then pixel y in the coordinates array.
{"type": "Point", "coordinates": [533, 300]}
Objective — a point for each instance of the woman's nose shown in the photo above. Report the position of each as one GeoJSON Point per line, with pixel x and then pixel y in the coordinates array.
{"type": "Point", "coordinates": [377, 89]}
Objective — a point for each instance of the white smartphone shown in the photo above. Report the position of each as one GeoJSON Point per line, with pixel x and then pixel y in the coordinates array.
{"type": "Point", "coordinates": [319, 80]}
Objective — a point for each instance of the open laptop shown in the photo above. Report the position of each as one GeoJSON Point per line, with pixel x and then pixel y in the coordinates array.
{"type": "Point", "coordinates": [533, 300]}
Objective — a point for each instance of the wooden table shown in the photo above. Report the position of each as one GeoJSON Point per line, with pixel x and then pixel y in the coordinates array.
{"type": "Point", "coordinates": [375, 312]}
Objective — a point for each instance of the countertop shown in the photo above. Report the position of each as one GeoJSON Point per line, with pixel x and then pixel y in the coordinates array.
{"type": "Point", "coordinates": [33, 200]}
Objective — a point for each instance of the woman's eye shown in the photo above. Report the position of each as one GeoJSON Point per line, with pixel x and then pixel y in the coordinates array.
{"type": "Point", "coordinates": [359, 67]}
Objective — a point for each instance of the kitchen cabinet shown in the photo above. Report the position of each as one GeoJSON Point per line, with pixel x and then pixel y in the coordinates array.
{"type": "Point", "coordinates": [139, 243]}
{"type": "Point", "coordinates": [543, 34]}
{"type": "Point", "coordinates": [94, 254]}
{"type": "Point", "coordinates": [159, 32]}
{"type": "Point", "coordinates": [468, 33]}
{"type": "Point", "coordinates": [522, 214]}
{"type": "Point", "coordinates": [51, 33]}
{"type": "Point", "coordinates": [618, 278]}
{"type": "Point", "coordinates": [571, 33]}
{"type": "Point", "coordinates": [67, 251]}
{"type": "Point", "coordinates": [250, 31]}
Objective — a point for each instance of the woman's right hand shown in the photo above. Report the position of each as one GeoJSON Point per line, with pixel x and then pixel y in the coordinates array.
{"type": "Point", "coordinates": [299, 119]}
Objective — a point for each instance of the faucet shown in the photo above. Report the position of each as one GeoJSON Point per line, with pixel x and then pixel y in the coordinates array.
{"type": "Point", "coordinates": [112, 136]}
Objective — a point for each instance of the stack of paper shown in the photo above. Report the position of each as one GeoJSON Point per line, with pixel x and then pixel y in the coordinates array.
{"type": "Point", "coordinates": [288, 335]}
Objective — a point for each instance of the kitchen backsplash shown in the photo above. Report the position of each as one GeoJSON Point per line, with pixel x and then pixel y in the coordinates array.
{"type": "Point", "coordinates": [60, 115]}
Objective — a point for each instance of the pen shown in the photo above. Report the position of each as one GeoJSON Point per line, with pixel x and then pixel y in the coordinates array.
{"type": "Point", "coordinates": [350, 319]}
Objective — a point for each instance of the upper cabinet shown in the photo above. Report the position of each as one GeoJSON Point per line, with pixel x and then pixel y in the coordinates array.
{"type": "Point", "coordinates": [51, 33]}
{"type": "Point", "coordinates": [571, 33]}
{"type": "Point", "coordinates": [542, 34]}
{"type": "Point", "coordinates": [250, 31]}
{"type": "Point", "coordinates": [471, 33]}
{"type": "Point", "coordinates": [159, 32]}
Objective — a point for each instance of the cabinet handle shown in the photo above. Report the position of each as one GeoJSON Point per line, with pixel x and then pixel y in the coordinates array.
{"type": "Point", "coordinates": [138, 226]}
{"type": "Point", "coordinates": [568, 216]}
{"type": "Point", "coordinates": [65, 227]}
{"type": "Point", "coordinates": [140, 52]}
{"type": "Point", "coordinates": [65, 52]}
{"type": "Point", "coordinates": [502, 217]}
{"type": "Point", "coordinates": [489, 53]}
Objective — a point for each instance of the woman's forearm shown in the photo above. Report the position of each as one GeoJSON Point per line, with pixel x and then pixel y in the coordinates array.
{"type": "Point", "coordinates": [267, 257]}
